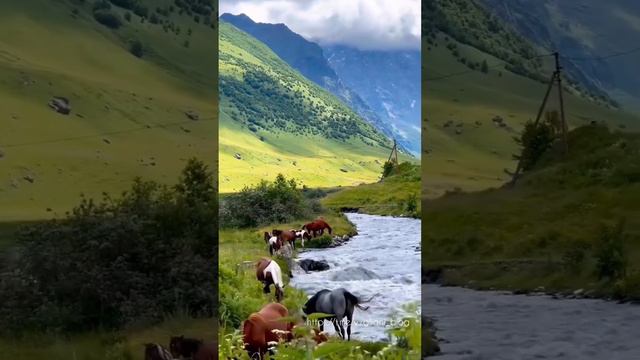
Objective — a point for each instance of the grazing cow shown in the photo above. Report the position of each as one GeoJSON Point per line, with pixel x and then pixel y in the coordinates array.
{"type": "Point", "coordinates": [268, 272]}
{"type": "Point", "coordinates": [156, 352]}
{"type": "Point", "coordinates": [274, 242]}
{"type": "Point", "coordinates": [258, 329]}
{"type": "Point", "coordinates": [340, 303]}
{"type": "Point", "coordinates": [317, 226]}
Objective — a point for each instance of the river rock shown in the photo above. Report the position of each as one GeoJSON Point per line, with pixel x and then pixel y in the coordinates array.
{"type": "Point", "coordinates": [313, 265]}
{"type": "Point", "coordinates": [354, 273]}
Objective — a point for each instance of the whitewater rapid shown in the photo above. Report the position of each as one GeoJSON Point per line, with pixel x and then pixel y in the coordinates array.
{"type": "Point", "coordinates": [382, 260]}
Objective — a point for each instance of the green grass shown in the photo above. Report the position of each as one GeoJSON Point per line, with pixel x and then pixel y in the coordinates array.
{"type": "Point", "coordinates": [240, 292]}
{"type": "Point", "coordinates": [116, 345]}
{"type": "Point", "coordinates": [390, 196]}
{"type": "Point", "coordinates": [475, 159]}
{"type": "Point", "coordinates": [288, 125]}
{"type": "Point", "coordinates": [524, 237]}
{"type": "Point", "coordinates": [47, 51]}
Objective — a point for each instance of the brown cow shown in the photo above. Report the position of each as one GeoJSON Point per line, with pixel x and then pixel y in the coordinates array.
{"type": "Point", "coordinates": [258, 329]}
{"type": "Point", "coordinates": [268, 272]}
{"type": "Point", "coordinates": [317, 226]}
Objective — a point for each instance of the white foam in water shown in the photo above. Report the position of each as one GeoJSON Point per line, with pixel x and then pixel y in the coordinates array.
{"type": "Point", "coordinates": [383, 260]}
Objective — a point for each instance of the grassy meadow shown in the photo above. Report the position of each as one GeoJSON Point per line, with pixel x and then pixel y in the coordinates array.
{"type": "Point", "coordinates": [127, 120]}
{"type": "Point", "coordinates": [556, 230]}
{"type": "Point", "coordinates": [395, 195]}
{"type": "Point", "coordinates": [314, 161]}
{"type": "Point", "coordinates": [472, 152]}
{"type": "Point", "coordinates": [128, 113]}
{"type": "Point", "coordinates": [273, 120]}
{"type": "Point", "coordinates": [104, 345]}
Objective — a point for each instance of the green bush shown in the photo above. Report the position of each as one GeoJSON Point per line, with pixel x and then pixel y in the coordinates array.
{"type": "Point", "coordinates": [535, 140]}
{"type": "Point", "coordinates": [117, 262]}
{"type": "Point", "coordinates": [107, 18]}
{"type": "Point", "coordinates": [610, 253]}
{"type": "Point", "coordinates": [136, 48]}
{"type": "Point", "coordinates": [280, 201]}
{"type": "Point", "coordinates": [323, 241]}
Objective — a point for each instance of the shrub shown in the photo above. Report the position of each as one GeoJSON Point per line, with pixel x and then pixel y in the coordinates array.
{"type": "Point", "coordinates": [101, 5]}
{"type": "Point", "coordinates": [136, 48]}
{"type": "Point", "coordinates": [118, 261]}
{"type": "Point", "coordinates": [323, 241]}
{"type": "Point", "coordinates": [411, 205]}
{"type": "Point", "coordinates": [610, 253]}
{"type": "Point", "coordinates": [280, 201]}
{"type": "Point", "coordinates": [387, 169]}
{"type": "Point", "coordinates": [535, 140]}
{"type": "Point", "coordinates": [127, 16]}
{"type": "Point", "coordinates": [107, 18]}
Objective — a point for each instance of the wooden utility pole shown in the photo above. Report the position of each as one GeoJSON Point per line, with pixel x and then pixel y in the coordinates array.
{"type": "Point", "coordinates": [556, 79]}
{"type": "Point", "coordinates": [393, 157]}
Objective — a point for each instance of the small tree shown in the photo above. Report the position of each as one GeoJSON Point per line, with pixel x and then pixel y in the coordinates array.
{"type": "Point", "coordinates": [136, 48]}
{"type": "Point", "coordinates": [387, 169]}
{"type": "Point", "coordinates": [610, 253]}
{"type": "Point", "coordinates": [535, 140]}
{"type": "Point", "coordinates": [484, 67]}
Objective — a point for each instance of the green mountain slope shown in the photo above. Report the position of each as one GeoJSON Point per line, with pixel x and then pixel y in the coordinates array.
{"type": "Point", "coordinates": [127, 113]}
{"type": "Point", "coordinates": [548, 229]}
{"type": "Point", "coordinates": [273, 120]}
{"type": "Point", "coordinates": [464, 148]}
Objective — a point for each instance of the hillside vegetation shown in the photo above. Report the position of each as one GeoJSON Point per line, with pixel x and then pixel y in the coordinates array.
{"type": "Point", "coordinates": [472, 111]}
{"type": "Point", "coordinates": [114, 273]}
{"type": "Point", "coordinates": [129, 79]}
{"type": "Point", "coordinates": [273, 120]}
{"type": "Point", "coordinates": [569, 223]}
{"type": "Point", "coordinates": [397, 194]}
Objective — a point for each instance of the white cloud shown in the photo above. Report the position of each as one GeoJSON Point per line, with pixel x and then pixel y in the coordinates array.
{"type": "Point", "coordinates": [365, 24]}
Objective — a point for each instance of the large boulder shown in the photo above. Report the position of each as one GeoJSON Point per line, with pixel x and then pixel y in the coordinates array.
{"type": "Point", "coordinates": [313, 265]}
{"type": "Point", "coordinates": [354, 273]}
{"type": "Point", "coordinates": [60, 105]}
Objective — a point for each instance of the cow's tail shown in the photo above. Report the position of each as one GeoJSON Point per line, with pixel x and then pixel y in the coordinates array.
{"type": "Point", "coordinates": [357, 302]}
{"type": "Point", "coordinates": [329, 228]}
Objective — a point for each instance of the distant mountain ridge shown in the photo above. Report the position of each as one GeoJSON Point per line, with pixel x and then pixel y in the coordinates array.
{"type": "Point", "coordinates": [275, 120]}
{"type": "Point", "coordinates": [387, 80]}
{"type": "Point", "coordinates": [310, 60]}
{"type": "Point", "coordinates": [583, 31]}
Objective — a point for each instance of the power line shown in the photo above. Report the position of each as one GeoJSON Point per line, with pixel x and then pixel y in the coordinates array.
{"type": "Point", "coordinates": [612, 55]}
{"type": "Point", "coordinates": [118, 132]}
{"type": "Point", "coordinates": [461, 73]}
